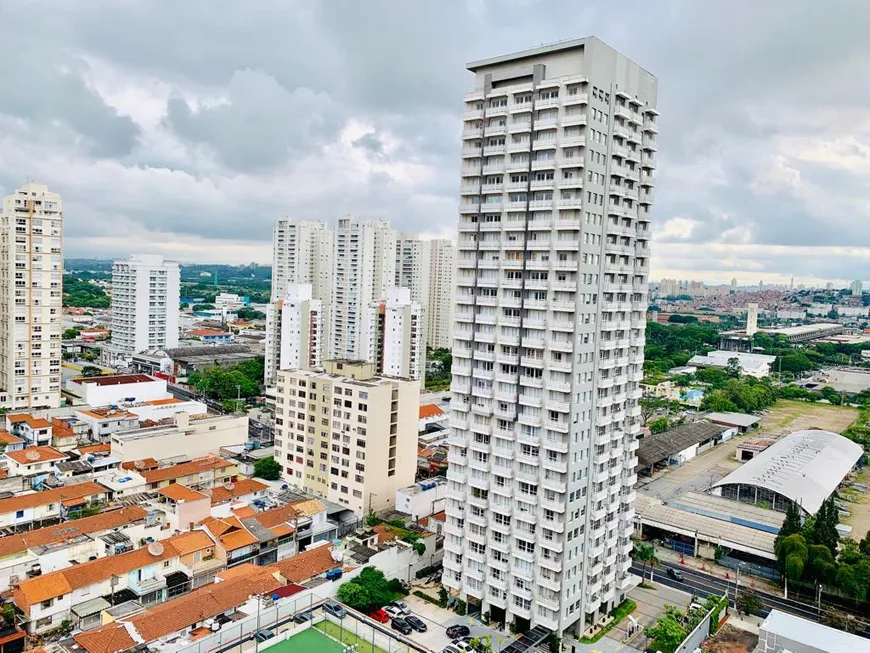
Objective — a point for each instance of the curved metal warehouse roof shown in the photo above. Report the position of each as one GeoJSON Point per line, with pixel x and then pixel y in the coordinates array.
{"type": "Point", "coordinates": [806, 467]}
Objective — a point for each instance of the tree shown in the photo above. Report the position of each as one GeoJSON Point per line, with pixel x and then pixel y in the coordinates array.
{"type": "Point", "coordinates": [368, 591]}
{"type": "Point", "coordinates": [864, 545]}
{"type": "Point", "coordinates": [90, 370]}
{"type": "Point", "coordinates": [795, 362]}
{"type": "Point", "coordinates": [733, 369]}
{"type": "Point", "coordinates": [667, 634]}
{"type": "Point", "coordinates": [792, 554]}
{"type": "Point", "coordinates": [354, 595]}
{"type": "Point", "coordinates": [748, 602]}
{"type": "Point", "coordinates": [267, 469]}
{"type": "Point", "coordinates": [250, 314]}
{"type": "Point", "coordinates": [792, 523]}
{"type": "Point", "coordinates": [825, 526]}
{"type": "Point", "coordinates": [71, 334]}
{"type": "Point", "coordinates": [645, 553]}
{"type": "Point", "coordinates": [649, 406]}
{"type": "Point", "coordinates": [822, 566]}
{"type": "Point", "coordinates": [659, 425]}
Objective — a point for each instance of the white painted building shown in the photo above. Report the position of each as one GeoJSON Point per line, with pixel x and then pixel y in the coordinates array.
{"type": "Point", "coordinates": [364, 267]}
{"type": "Point", "coordinates": [294, 332]}
{"type": "Point", "coordinates": [414, 272]}
{"type": "Point", "coordinates": [31, 288]}
{"type": "Point", "coordinates": [117, 389]}
{"type": "Point", "coordinates": [442, 285]}
{"type": "Point", "coordinates": [302, 253]}
{"type": "Point", "coordinates": [145, 303]}
{"type": "Point", "coordinates": [559, 148]}
{"type": "Point", "coordinates": [424, 498]}
{"type": "Point", "coordinates": [393, 335]}
{"type": "Point", "coordinates": [190, 436]}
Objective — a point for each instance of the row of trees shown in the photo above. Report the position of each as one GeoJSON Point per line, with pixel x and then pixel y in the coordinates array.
{"type": "Point", "coordinates": [227, 383]}
{"type": "Point", "coordinates": [809, 552]}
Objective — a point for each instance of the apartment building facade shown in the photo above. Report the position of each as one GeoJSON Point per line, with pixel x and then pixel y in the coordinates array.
{"type": "Point", "coordinates": [439, 306]}
{"type": "Point", "coordinates": [414, 272]}
{"type": "Point", "coordinates": [31, 289]}
{"type": "Point", "coordinates": [302, 253]}
{"type": "Point", "coordinates": [552, 271]}
{"type": "Point", "coordinates": [393, 335]}
{"type": "Point", "coordinates": [346, 434]}
{"type": "Point", "coordinates": [294, 332]}
{"type": "Point", "coordinates": [145, 304]}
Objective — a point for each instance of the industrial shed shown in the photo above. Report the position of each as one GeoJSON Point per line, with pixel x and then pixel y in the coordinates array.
{"type": "Point", "coordinates": [678, 445]}
{"type": "Point", "coordinates": [802, 468]}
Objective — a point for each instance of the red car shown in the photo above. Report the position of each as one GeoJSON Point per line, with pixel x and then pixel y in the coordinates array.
{"type": "Point", "coordinates": [380, 616]}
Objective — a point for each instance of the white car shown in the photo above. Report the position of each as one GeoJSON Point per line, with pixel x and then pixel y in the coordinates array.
{"type": "Point", "coordinates": [393, 611]}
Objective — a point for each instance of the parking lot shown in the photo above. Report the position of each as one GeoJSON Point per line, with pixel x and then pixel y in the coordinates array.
{"type": "Point", "coordinates": [438, 619]}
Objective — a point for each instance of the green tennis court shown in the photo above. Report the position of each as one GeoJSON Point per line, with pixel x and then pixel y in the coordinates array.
{"type": "Point", "coordinates": [309, 640]}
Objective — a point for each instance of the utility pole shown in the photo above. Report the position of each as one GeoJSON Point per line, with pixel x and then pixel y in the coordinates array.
{"type": "Point", "coordinates": [819, 601]}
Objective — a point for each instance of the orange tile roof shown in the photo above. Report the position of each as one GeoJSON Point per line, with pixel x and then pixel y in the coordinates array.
{"type": "Point", "coordinates": [7, 438]}
{"type": "Point", "coordinates": [185, 469]}
{"type": "Point", "coordinates": [243, 486]}
{"type": "Point", "coordinates": [439, 516]}
{"type": "Point", "coordinates": [108, 414]}
{"type": "Point", "coordinates": [164, 402]}
{"type": "Point", "coordinates": [384, 533]}
{"type": "Point", "coordinates": [139, 465]}
{"type": "Point", "coordinates": [66, 531]}
{"type": "Point", "coordinates": [63, 581]}
{"type": "Point", "coordinates": [34, 455]}
{"type": "Point", "coordinates": [94, 448]}
{"type": "Point", "coordinates": [208, 332]}
{"type": "Point", "coordinates": [306, 565]}
{"type": "Point", "coordinates": [229, 532]}
{"type": "Point", "coordinates": [308, 507]}
{"type": "Point", "coordinates": [59, 429]}
{"type": "Point", "coordinates": [179, 492]}
{"type": "Point", "coordinates": [176, 615]}
{"type": "Point", "coordinates": [430, 410]}
{"type": "Point", "coordinates": [244, 512]}
{"type": "Point", "coordinates": [276, 516]}
{"type": "Point", "coordinates": [32, 422]}
{"type": "Point", "coordinates": [33, 499]}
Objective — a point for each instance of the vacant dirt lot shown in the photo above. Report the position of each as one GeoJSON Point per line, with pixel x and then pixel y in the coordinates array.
{"type": "Point", "coordinates": [788, 416]}
{"type": "Point", "coordinates": [731, 640]}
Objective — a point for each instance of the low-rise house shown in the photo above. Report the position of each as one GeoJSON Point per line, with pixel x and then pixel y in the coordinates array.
{"type": "Point", "coordinates": [235, 543]}
{"type": "Point", "coordinates": [423, 498]}
{"type": "Point", "coordinates": [212, 336]}
{"type": "Point", "coordinates": [200, 474]}
{"type": "Point", "coordinates": [33, 460]}
{"type": "Point", "coordinates": [49, 506]}
{"type": "Point", "coordinates": [9, 442]}
{"type": "Point", "coordinates": [66, 433]}
{"type": "Point", "coordinates": [33, 430]}
{"type": "Point", "coordinates": [184, 508]}
{"type": "Point", "coordinates": [48, 549]}
{"type": "Point", "coordinates": [304, 566]}
{"type": "Point", "coordinates": [193, 436]}
{"type": "Point", "coordinates": [430, 415]}
{"type": "Point", "coordinates": [151, 573]}
{"type": "Point", "coordinates": [103, 422]}
{"type": "Point", "coordinates": [243, 490]}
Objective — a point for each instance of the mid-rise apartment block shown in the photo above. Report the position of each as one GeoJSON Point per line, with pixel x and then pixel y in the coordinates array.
{"type": "Point", "coordinates": [365, 266]}
{"type": "Point", "coordinates": [439, 306]}
{"type": "Point", "coordinates": [346, 434]}
{"type": "Point", "coordinates": [393, 335]}
{"type": "Point", "coordinates": [31, 280]}
{"type": "Point", "coordinates": [559, 149]}
{"type": "Point", "coordinates": [294, 332]}
{"type": "Point", "coordinates": [145, 304]}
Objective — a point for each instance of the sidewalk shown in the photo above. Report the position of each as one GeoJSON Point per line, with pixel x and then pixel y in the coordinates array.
{"type": "Point", "coordinates": [710, 567]}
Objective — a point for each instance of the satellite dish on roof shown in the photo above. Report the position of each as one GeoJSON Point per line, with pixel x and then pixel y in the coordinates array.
{"type": "Point", "coordinates": [337, 555]}
{"type": "Point", "coordinates": [155, 548]}
{"type": "Point", "coordinates": [229, 485]}
{"type": "Point", "coordinates": [31, 455]}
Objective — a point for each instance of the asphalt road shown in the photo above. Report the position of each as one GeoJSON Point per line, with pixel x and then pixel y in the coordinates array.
{"type": "Point", "coordinates": [703, 585]}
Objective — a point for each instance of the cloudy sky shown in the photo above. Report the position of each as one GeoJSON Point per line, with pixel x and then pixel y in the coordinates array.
{"type": "Point", "coordinates": [187, 127]}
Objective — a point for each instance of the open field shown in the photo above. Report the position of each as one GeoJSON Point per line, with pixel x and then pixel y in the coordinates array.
{"type": "Point", "coordinates": [732, 640]}
{"type": "Point", "coordinates": [787, 416]}
{"type": "Point", "coordinates": [859, 520]}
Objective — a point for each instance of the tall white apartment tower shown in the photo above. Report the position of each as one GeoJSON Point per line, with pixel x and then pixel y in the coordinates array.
{"type": "Point", "coordinates": [145, 297]}
{"type": "Point", "coordinates": [302, 253]}
{"type": "Point", "coordinates": [439, 307]}
{"type": "Point", "coordinates": [393, 335]}
{"type": "Point", "coordinates": [364, 267]}
{"type": "Point", "coordinates": [31, 280]}
{"type": "Point", "coordinates": [413, 271]}
{"type": "Point", "coordinates": [294, 332]}
{"type": "Point", "coordinates": [559, 147]}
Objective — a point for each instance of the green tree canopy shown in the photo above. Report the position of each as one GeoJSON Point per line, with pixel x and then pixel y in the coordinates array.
{"type": "Point", "coordinates": [267, 469]}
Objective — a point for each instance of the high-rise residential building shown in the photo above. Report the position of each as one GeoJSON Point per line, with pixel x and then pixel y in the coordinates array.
{"type": "Point", "coordinates": [669, 287]}
{"type": "Point", "coordinates": [294, 332]}
{"type": "Point", "coordinates": [857, 287]}
{"type": "Point", "coordinates": [364, 260]}
{"type": "Point", "coordinates": [413, 271]}
{"type": "Point", "coordinates": [439, 308]}
{"type": "Point", "coordinates": [302, 253]}
{"type": "Point", "coordinates": [829, 286]}
{"type": "Point", "coordinates": [145, 303]}
{"type": "Point", "coordinates": [346, 434]}
{"type": "Point", "coordinates": [559, 148]}
{"type": "Point", "coordinates": [31, 289]}
{"type": "Point", "coordinates": [393, 335]}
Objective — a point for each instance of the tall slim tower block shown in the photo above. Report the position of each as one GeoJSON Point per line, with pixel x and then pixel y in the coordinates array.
{"type": "Point", "coordinates": [559, 149]}
{"type": "Point", "coordinates": [393, 335]}
{"type": "Point", "coordinates": [439, 308]}
{"type": "Point", "coordinates": [145, 304]}
{"type": "Point", "coordinates": [31, 289]}
{"type": "Point", "coordinates": [294, 332]}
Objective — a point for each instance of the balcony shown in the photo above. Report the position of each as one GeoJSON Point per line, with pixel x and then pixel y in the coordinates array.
{"type": "Point", "coordinates": [147, 585]}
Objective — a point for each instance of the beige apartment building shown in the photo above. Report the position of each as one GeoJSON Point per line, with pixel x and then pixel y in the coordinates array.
{"type": "Point", "coordinates": [346, 434]}
{"type": "Point", "coordinates": [193, 436]}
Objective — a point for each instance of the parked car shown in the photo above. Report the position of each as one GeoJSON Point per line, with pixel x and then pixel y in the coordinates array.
{"type": "Point", "coordinates": [416, 623]}
{"type": "Point", "coordinates": [401, 606]}
{"type": "Point", "coordinates": [262, 635]}
{"type": "Point", "coordinates": [401, 625]}
{"type": "Point", "coordinates": [676, 575]}
{"type": "Point", "coordinates": [302, 617]}
{"type": "Point", "coordinates": [393, 611]}
{"type": "Point", "coordinates": [450, 649]}
{"type": "Point", "coordinates": [463, 645]}
{"type": "Point", "coordinates": [380, 616]}
{"type": "Point", "coordinates": [335, 609]}
{"type": "Point", "coordinates": [458, 630]}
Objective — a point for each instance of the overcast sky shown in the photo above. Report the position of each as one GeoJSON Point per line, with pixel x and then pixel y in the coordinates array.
{"type": "Point", "coordinates": [187, 127]}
